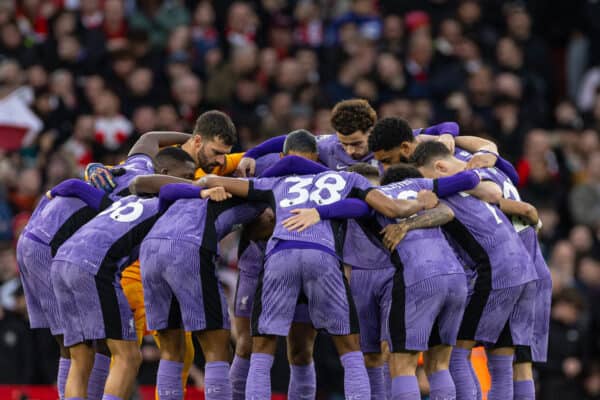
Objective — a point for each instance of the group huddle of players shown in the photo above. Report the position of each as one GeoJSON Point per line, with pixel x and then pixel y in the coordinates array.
{"type": "Point", "coordinates": [394, 241]}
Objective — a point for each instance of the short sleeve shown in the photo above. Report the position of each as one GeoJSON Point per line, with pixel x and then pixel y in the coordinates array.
{"type": "Point", "coordinates": [486, 174]}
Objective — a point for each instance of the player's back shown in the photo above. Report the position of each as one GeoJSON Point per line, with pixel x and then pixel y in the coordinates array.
{"type": "Point", "coordinates": [488, 236]}
{"type": "Point", "coordinates": [203, 222]}
{"type": "Point", "coordinates": [424, 253]}
{"type": "Point", "coordinates": [306, 191]}
{"type": "Point", "coordinates": [54, 221]}
{"type": "Point", "coordinates": [113, 235]}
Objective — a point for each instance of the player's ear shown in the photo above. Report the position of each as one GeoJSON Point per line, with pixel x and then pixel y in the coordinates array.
{"type": "Point", "coordinates": [440, 166]}
{"type": "Point", "coordinates": [164, 171]}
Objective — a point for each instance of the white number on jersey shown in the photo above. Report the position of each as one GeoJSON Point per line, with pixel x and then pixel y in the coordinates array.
{"type": "Point", "coordinates": [327, 190]}
{"type": "Point", "coordinates": [509, 191]}
{"type": "Point", "coordinates": [490, 207]}
{"type": "Point", "coordinates": [124, 212]}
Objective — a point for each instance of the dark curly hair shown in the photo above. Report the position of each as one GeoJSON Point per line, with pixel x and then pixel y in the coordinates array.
{"type": "Point", "coordinates": [353, 115]}
{"type": "Point", "coordinates": [400, 172]}
{"type": "Point", "coordinates": [389, 133]}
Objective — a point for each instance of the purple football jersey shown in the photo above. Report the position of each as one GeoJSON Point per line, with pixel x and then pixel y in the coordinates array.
{"type": "Point", "coordinates": [264, 162]}
{"type": "Point", "coordinates": [135, 165]}
{"type": "Point", "coordinates": [495, 237]}
{"type": "Point", "coordinates": [113, 236]}
{"type": "Point", "coordinates": [363, 249]}
{"type": "Point", "coordinates": [305, 191]}
{"type": "Point", "coordinates": [333, 155]}
{"type": "Point", "coordinates": [203, 222]}
{"type": "Point", "coordinates": [54, 221]}
{"type": "Point", "coordinates": [424, 253]}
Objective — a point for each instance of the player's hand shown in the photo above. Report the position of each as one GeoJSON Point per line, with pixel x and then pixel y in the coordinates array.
{"type": "Point", "coordinates": [215, 194]}
{"type": "Point", "coordinates": [482, 160]}
{"type": "Point", "coordinates": [246, 167]}
{"type": "Point", "coordinates": [427, 198]}
{"type": "Point", "coordinates": [100, 177]}
{"type": "Point", "coordinates": [448, 141]}
{"type": "Point", "coordinates": [303, 218]}
{"type": "Point", "coordinates": [393, 235]}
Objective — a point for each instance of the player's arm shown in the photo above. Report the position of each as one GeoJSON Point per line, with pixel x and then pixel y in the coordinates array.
{"type": "Point", "coordinates": [151, 184]}
{"type": "Point", "coordinates": [520, 209]}
{"type": "Point", "coordinates": [237, 187]}
{"type": "Point", "coordinates": [172, 192]}
{"type": "Point", "coordinates": [151, 142]}
{"type": "Point", "coordinates": [449, 185]}
{"type": "Point", "coordinates": [485, 155]}
{"type": "Point", "coordinates": [444, 132]}
{"type": "Point", "coordinates": [397, 208]}
{"type": "Point", "coordinates": [437, 216]}
{"type": "Point", "coordinates": [487, 191]}
{"type": "Point", "coordinates": [247, 165]}
{"type": "Point", "coordinates": [303, 218]}
{"type": "Point", "coordinates": [93, 197]}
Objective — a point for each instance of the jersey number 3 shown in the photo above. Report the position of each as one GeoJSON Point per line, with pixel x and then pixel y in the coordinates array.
{"type": "Point", "coordinates": [332, 184]}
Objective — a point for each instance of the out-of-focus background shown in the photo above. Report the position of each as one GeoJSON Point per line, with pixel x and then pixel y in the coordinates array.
{"type": "Point", "coordinates": [80, 80]}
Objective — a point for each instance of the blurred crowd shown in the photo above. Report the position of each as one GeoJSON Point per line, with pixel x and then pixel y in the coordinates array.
{"type": "Point", "coordinates": [80, 80]}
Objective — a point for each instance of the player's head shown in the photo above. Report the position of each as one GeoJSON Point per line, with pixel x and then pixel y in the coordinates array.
{"type": "Point", "coordinates": [434, 160]}
{"type": "Point", "coordinates": [367, 170]}
{"type": "Point", "coordinates": [392, 141]}
{"type": "Point", "coordinates": [352, 121]}
{"type": "Point", "coordinates": [214, 135]}
{"type": "Point", "coordinates": [175, 162]}
{"type": "Point", "coordinates": [301, 143]}
{"type": "Point", "coordinates": [400, 172]}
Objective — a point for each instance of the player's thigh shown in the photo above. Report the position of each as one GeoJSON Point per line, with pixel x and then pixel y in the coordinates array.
{"type": "Point", "coordinates": [330, 302]}
{"type": "Point", "coordinates": [403, 363]}
{"type": "Point", "coordinates": [495, 316]}
{"type": "Point", "coordinates": [451, 314]}
{"type": "Point", "coordinates": [277, 294]}
{"type": "Point", "coordinates": [363, 286]}
{"type": "Point", "coordinates": [300, 343]}
{"type": "Point", "coordinates": [413, 312]}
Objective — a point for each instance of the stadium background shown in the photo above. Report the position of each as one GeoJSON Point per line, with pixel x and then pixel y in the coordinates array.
{"type": "Point", "coordinates": [80, 80]}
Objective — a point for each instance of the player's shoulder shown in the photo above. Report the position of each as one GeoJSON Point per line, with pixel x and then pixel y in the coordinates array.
{"type": "Point", "coordinates": [138, 160]}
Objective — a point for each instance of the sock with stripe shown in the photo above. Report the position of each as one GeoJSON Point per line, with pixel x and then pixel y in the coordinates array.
{"type": "Point", "coordinates": [524, 390]}
{"type": "Point", "coordinates": [387, 380]}
{"type": "Point", "coordinates": [501, 372]}
{"type": "Point", "coordinates": [169, 385]}
{"type": "Point", "coordinates": [462, 374]}
{"type": "Point", "coordinates": [61, 378]}
{"type": "Point", "coordinates": [377, 382]}
{"type": "Point", "coordinates": [356, 380]}
{"type": "Point", "coordinates": [441, 386]}
{"type": "Point", "coordinates": [258, 385]}
{"type": "Point", "coordinates": [216, 381]}
{"type": "Point", "coordinates": [303, 382]}
{"type": "Point", "coordinates": [98, 377]}
{"type": "Point", "coordinates": [237, 375]}
{"type": "Point", "coordinates": [405, 387]}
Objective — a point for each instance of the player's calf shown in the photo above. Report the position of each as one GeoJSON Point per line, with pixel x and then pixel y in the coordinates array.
{"type": "Point", "coordinates": [82, 362]}
{"type": "Point", "coordinates": [215, 345]}
{"type": "Point", "coordinates": [127, 359]}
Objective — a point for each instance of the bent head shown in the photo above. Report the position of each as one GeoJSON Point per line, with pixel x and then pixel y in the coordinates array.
{"type": "Point", "coordinates": [213, 137]}
{"type": "Point", "coordinates": [352, 121]}
{"type": "Point", "coordinates": [174, 161]}
{"type": "Point", "coordinates": [400, 172]}
{"type": "Point", "coordinates": [434, 160]}
{"type": "Point", "coordinates": [392, 141]}
{"type": "Point", "coordinates": [366, 170]}
{"type": "Point", "coordinates": [301, 143]}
